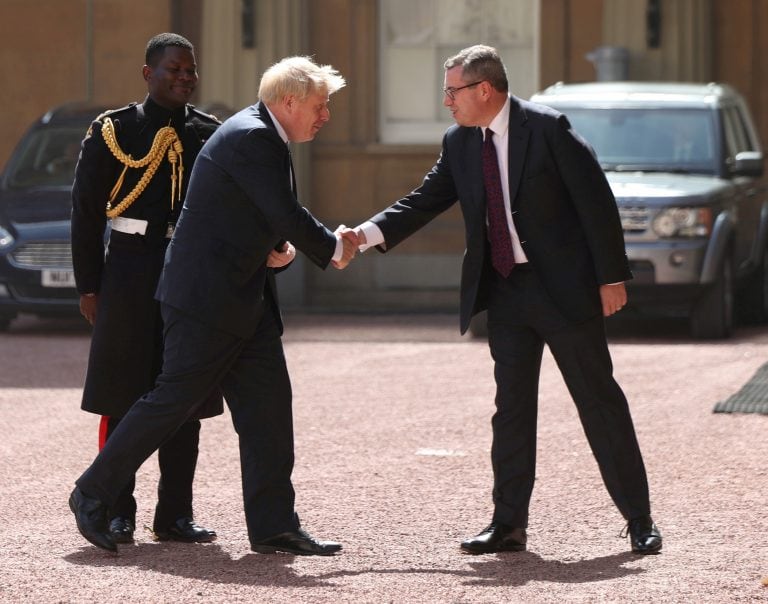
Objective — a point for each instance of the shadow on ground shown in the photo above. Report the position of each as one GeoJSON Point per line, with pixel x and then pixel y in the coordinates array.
{"type": "Point", "coordinates": [211, 563]}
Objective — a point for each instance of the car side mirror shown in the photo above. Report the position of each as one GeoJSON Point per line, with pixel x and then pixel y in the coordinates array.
{"type": "Point", "coordinates": [747, 163]}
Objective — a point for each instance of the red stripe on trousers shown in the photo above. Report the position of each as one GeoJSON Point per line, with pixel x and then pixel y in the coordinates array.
{"type": "Point", "coordinates": [103, 427]}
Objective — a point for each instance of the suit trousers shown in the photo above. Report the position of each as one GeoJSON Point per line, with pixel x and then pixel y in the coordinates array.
{"type": "Point", "coordinates": [253, 377]}
{"type": "Point", "coordinates": [521, 319]}
{"type": "Point", "coordinates": [177, 458]}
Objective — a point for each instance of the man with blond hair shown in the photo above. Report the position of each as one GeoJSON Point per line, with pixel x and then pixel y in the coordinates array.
{"type": "Point", "coordinates": [220, 310]}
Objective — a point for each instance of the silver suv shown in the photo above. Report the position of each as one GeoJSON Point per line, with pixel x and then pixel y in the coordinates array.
{"type": "Point", "coordinates": [685, 164]}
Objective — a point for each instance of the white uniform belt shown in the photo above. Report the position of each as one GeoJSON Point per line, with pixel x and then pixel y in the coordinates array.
{"type": "Point", "coordinates": [131, 226]}
{"type": "Point", "coordinates": [134, 226]}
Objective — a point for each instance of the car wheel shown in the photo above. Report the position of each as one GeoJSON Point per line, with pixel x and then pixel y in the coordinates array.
{"type": "Point", "coordinates": [5, 323]}
{"type": "Point", "coordinates": [712, 314]}
{"type": "Point", "coordinates": [753, 301]}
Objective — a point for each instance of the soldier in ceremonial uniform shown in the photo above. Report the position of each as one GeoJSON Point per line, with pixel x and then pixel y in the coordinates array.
{"type": "Point", "coordinates": [132, 176]}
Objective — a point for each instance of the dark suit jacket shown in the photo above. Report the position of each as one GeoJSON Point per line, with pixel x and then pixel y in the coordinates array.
{"type": "Point", "coordinates": [564, 211]}
{"type": "Point", "coordinates": [238, 207]}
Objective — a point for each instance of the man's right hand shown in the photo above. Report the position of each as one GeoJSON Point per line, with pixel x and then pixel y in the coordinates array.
{"type": "Point", "coordinates": [350, 242]}
{"type": "Point", "coordinates": [88, 304]}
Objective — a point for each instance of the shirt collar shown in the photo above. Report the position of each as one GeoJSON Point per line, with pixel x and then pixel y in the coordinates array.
{"type": "Point", "coordinates": [280, 129]}
{"type": "Point", "coordinates": [164, 117]}
{"type": "Point", "coordinates": [500, 124]}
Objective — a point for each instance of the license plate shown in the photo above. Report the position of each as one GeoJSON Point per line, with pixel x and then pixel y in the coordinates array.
{"type": "Point", "coordinates": [58, 278]}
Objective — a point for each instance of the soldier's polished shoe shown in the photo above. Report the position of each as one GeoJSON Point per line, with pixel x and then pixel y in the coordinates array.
{"type": "Point", "coordinates": [186, 530]}
{"type": "Point", "coordinates": [497, 537]}
{"type": "Point", "coordinates": [297, 542]}
{"type": "Point", "coordinates": [644, 537]}
{"type": "Point", "coordinates": [91, 518]}
{"type": "Point", "coordinates": [122, 529]}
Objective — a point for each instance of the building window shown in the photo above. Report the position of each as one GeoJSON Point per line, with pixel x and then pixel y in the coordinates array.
{"type": "Point", "coordinates": [416, 38]}
{"type": "Point", "coordinates": [248, 23]}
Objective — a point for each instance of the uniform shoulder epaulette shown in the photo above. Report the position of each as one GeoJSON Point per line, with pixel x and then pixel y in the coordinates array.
{"type": "Point", "coordinates": [113, 112]}
{"type": "Point", "coordinates": [201, 114]}
{"type": "Point", "coordinates": [109, 113]}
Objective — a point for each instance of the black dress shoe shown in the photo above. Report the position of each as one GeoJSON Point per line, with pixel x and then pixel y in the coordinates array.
{"type": "Point", "coordinates": [186, 530]}
{"type": "Point", "coordinates": [121, 529]}
{"type": "Point", "coordinates": [644, 536]}
{"type": "Point", "coordinates": [91, 517]}
{"type": "Point", "coordinates": [296, 542]}
{"type": "Point", "coordinates": [496, 538]}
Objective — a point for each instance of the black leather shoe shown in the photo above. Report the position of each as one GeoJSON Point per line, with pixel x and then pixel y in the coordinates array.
{"type": "Point", "coordinates": [91, 517]}
{"type": "Point", "coordinates": [185, 529]}
{"type": "Point", "coordinates": [121, 529]}
{"type": "Point", "coordinates": [496, 538]}
{"type": "Point", "coordinates": [644, 536]}
{"type": "Point", "coordinates": [296, 542]}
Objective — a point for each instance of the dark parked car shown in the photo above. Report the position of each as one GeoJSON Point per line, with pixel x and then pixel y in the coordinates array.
{"type": "Point", "coordinates": [35, 258]}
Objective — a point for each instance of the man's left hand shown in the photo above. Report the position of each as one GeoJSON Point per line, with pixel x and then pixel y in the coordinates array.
{"type": "Point", "coordinates": [614, 298]}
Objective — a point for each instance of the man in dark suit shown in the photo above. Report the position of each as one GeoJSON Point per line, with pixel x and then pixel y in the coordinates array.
{"type": "Point", "coordinates": [117, 290]}
{"type": "Point", "coordinates": [220, 310]}
{"type": "Point", "coordinates": [545, 256]}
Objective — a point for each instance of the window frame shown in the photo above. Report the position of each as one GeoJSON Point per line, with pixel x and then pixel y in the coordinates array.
{"type": "Point", "coordinates": [431, 131]}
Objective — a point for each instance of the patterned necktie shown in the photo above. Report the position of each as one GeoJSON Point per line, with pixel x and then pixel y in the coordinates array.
{"type": "Point", "coordinates": [502, 256]}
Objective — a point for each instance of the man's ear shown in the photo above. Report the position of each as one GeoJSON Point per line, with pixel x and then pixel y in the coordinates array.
{"type": "Point", "coordinates": [289, 101]}
{"type": "Point", "coordinates": [146, 72]}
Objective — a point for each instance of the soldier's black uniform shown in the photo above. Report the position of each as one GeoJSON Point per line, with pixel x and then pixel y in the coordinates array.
{"type": "Point", "coordinates": [126, 347]}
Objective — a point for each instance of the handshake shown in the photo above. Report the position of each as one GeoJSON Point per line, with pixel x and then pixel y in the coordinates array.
{"type": "Point", "coordinates": [351, 239]}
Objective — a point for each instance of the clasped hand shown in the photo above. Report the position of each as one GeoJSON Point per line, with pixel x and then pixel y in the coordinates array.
{"type": "Point", "coordinates": [350, 239]}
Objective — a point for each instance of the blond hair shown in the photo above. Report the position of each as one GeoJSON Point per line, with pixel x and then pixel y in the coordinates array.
{"type": "Point", "coordinates": [299, 77]}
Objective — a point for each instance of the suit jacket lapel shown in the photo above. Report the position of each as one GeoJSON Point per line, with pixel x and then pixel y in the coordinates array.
{"type": "Point", "coordinates": [517, 142]}
{"type": "Point", "coordinates": [263, 114]}
{"type": "Point", "coordinates": [475, 169]}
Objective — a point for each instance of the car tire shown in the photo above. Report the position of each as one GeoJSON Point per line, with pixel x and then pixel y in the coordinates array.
{"type": "Point", "coordinates": [5, 323]}
{"type": "Point", "coordinates": [753, 301]}
{"type": "Point", "coordinates": [712, 314]}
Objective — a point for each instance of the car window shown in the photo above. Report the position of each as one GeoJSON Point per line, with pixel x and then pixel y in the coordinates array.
{"type": "Point", "coordinates": [46, 158]}
{"type": "Point", "coordinates": [648, 138]}
{"type": "Point", "coordinates": [736, 135]}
